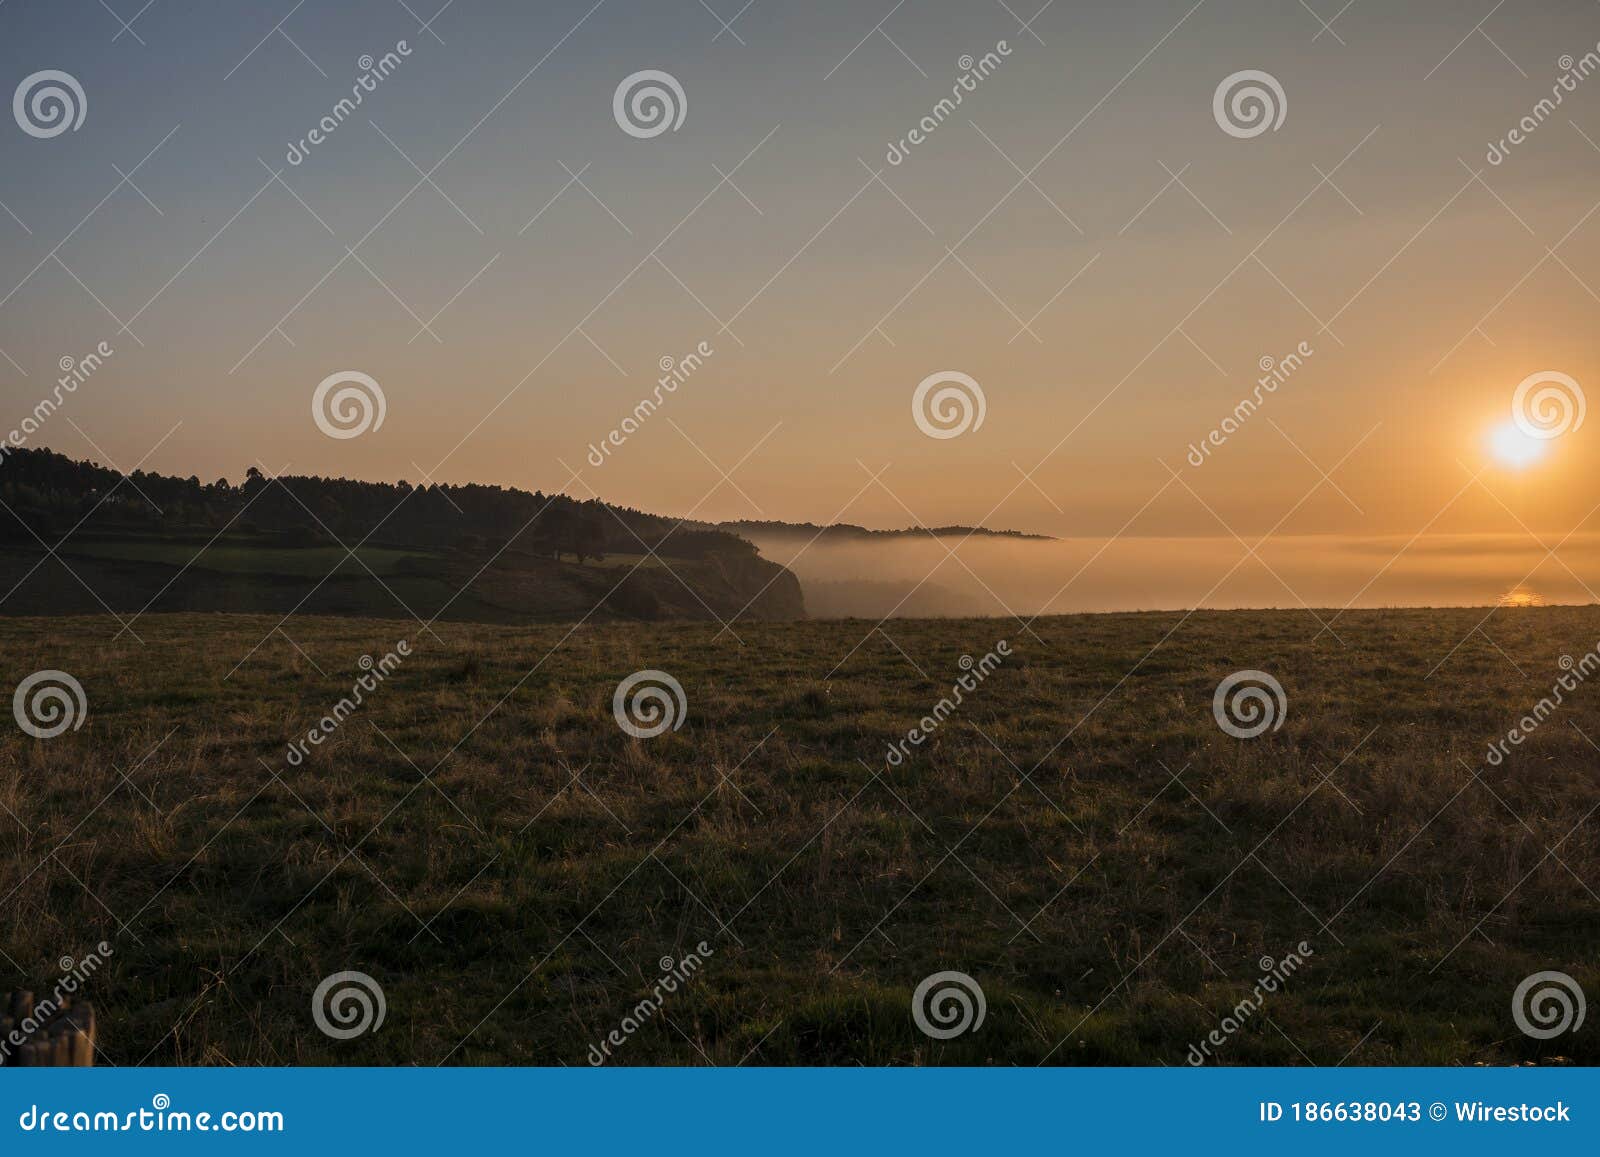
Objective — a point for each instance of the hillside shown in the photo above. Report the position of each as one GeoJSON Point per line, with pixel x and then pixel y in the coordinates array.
{"type": "Point", "coordinates": [80, 538]}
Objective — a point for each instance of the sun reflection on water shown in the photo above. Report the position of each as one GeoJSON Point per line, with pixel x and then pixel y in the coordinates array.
{"type": "Point", "coordinates": [1521, 596]}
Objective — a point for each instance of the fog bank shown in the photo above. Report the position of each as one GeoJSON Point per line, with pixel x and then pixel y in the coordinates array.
{"type": "Point", "coordinates": [945, 577]}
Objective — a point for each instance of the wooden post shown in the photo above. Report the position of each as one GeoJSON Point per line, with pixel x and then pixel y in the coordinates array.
{"type": "Point", "coordinates": [58, 1035]}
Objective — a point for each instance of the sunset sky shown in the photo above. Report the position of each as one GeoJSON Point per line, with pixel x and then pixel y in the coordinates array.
{"type": "Point", "coordinates": [1157, 257]}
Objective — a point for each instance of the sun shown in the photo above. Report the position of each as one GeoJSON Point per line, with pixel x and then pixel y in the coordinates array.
{"type": "Point", "coordinates": [1514, 448]}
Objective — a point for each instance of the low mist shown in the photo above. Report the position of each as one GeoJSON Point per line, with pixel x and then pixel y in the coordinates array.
{"type": "Point", "coordinates": [925, 577]}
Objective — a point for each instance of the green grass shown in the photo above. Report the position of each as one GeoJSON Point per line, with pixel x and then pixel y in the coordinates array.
{"type": "Point", "coordinates": [312, 561]}
{"type": "Point", "coordinates": [484, 840]}
{"type": "Point", "coordinates": [628, 561]}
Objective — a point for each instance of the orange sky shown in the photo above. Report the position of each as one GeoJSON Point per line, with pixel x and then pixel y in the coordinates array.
{"type": "Point", "coordinates": [1155, 257]}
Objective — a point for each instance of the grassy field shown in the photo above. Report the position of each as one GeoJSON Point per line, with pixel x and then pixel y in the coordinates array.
{"type": "Point", "coordinates": [232, 558]}
{"type": "Point", "coordinates": [1079, 836]}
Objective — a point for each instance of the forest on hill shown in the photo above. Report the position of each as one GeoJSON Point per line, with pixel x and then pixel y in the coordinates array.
{"type": "Point", "coordinates": [51, 494]}
{"type": "Point", "coordinates": [80, 538]}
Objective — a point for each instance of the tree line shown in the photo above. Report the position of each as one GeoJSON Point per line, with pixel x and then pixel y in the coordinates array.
{"type": "Point", "coordinates": [47, 494]}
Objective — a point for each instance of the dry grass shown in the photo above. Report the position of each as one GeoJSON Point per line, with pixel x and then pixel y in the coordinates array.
{"type": "Point", "coordinates": [510, 866]}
